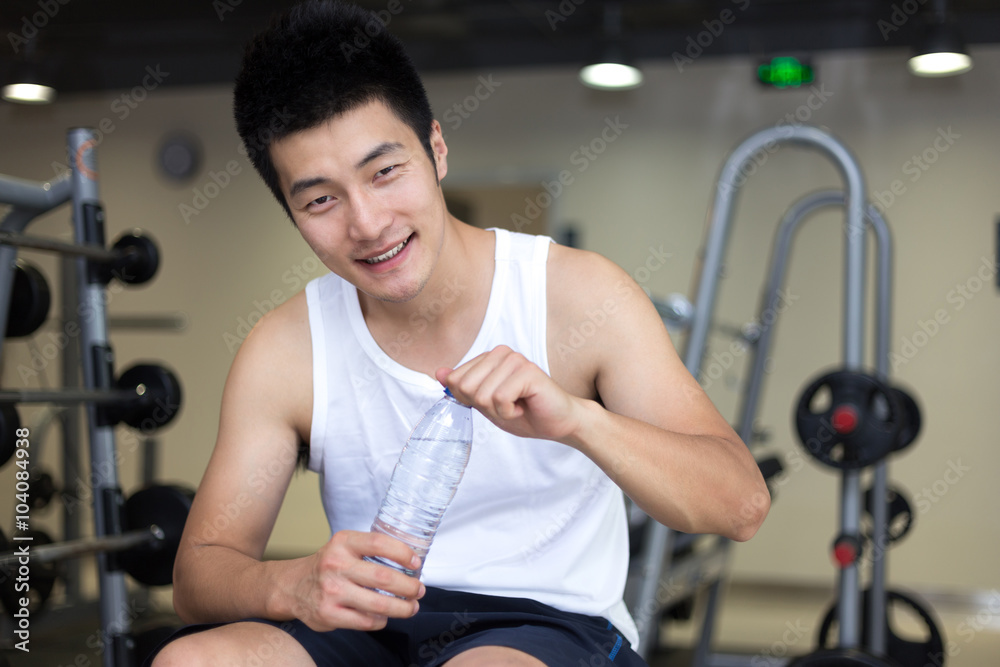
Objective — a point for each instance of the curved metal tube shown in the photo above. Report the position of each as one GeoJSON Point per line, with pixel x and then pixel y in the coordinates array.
{"type": "Point", "coordinates": [730, 181]}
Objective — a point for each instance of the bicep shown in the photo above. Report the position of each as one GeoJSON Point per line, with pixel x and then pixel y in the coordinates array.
{"type": "Point", "coordinates": [640, 375]}
{"type": "Point", "coordinates": [255, 454]}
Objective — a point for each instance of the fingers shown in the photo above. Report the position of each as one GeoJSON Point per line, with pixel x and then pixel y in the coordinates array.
{"type": "Point", "coordinates": [493, 382]}
{"type": "Point", "coordinates": [382, 576]}
{"type": "Point", "coordinates": [344, 591]}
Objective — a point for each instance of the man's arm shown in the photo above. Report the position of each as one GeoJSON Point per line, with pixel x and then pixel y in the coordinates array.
{"type": "Point", "coordinates": [633, 408]}
{"type": "Point", "coordinates": [219, 574]}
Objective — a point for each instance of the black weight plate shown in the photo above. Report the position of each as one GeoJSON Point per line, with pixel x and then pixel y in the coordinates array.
{"type": "Point", "coordinates": [911, 422]}
{"type": "Point", "coordinates": [159, 402]}
{"type": "Point", "coordinates": [30, 300]}
{"type": "Point", "coordinates": [899, 514]}
{"type": "Point", "coordinates": [9, 423]}
{"type": "Point", "coordinates": [139, 259]}
{"type": "Point", "coordinates": [904, 651]}
{"type": "Point", "coordinates": [841, 657]}
{"type": "Point", "coordinates": [167, 507]}
{"type": "Point", "coordinates": [875, 433]}
{"type": "Point", "coordinates": [41, 489]}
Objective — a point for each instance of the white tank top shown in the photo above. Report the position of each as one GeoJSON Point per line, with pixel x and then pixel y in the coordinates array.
{"type": "Point", "coordinates": [531, 518]}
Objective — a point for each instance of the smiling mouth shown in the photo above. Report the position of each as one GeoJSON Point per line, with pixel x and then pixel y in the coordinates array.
{"type": "Point", "coordinates": [389, 254]}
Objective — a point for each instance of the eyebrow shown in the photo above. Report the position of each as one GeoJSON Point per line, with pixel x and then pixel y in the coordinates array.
{"type": "Point", "coordinates": [305, 184]}
{"type": "Point", "coordinates": [382, 149]}
{"type": "Point", "coordinates": [379, 151]}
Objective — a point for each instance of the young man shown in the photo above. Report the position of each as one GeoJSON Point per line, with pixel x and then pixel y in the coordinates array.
{"type": "Point", "coordinates": [529, 564]}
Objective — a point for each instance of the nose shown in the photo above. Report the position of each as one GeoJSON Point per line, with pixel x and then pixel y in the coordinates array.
{"type": "Point", "coordinates": [368, 217]}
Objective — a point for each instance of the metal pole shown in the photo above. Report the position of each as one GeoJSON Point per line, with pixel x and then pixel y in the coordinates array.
{"type": "Point", "coordinates": [38, 196]}
{"type": "Point", "coordinates": [54, 553]}
{"type": "Point", "coordinates": [730, 181]}
{"type": "Point", "coordinates": [770, 303]}
{"type": "Point", "coordinates": [883, 310]}
{"type": "Point", "coordinates": [88, 226]}
{"type": "Point", "coordinates": [70, 420]}
{"type": "Point", "coordinates": [72, 396]}
{"type": "Point", "coordinates": [98, 253]}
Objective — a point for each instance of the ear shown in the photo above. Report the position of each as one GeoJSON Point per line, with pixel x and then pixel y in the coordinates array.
{"type": "Point", "coordinates": [440, 150]}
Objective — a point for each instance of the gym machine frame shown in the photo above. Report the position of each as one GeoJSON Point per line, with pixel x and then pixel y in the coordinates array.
{"type": "Point", "coordinates": [29, 200]}
{"type": "Point", "coordinates": [659, 539]}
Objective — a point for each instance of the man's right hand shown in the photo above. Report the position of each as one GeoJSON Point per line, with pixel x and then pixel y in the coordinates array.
{"type": "Point", "coordinates": [335, 587]}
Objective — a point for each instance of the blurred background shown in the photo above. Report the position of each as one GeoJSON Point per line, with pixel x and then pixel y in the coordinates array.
{"type": "Point", "coordinates": [629, 173]}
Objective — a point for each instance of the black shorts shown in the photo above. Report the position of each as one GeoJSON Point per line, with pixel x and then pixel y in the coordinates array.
{"type": "Point", "coordinates": [450, 623]}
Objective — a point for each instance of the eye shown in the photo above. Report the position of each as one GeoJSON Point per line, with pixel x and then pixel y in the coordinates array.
{"type": "Point", "coordinates": [321, 203]}
{"type": "Point", "coordinates": [385, 172]}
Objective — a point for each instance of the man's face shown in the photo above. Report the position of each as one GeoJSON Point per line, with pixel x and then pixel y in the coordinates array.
{"type": "Point", "coordinates": [366, 199]}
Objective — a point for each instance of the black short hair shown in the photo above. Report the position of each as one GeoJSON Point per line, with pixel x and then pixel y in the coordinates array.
{"type": "Point", "coordinates": [315, 62]}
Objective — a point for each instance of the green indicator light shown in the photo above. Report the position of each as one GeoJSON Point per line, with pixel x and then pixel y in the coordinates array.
{"type": "Point", "coordinates": [784, 73]}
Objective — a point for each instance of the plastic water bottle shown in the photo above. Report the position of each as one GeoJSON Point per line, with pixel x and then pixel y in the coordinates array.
{"type": "Point", "coordinates": [425, 479]}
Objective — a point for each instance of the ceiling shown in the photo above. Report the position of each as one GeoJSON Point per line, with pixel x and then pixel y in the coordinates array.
{"type": "Point", "coordinates": [91, 45]}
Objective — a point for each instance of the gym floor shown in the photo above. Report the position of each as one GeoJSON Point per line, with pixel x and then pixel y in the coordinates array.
{"type": "Point", "coordinates": [757, 621]}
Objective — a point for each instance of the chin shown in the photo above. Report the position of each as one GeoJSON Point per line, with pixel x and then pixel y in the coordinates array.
{"type": "Point", "coordinates": [402, 295]}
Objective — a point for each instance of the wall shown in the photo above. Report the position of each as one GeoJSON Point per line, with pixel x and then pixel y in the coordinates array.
{"type": "Point", "coordinates": [638, 170]}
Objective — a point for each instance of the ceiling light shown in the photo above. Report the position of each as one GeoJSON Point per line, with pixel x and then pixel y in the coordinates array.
{"type": "Point", "coordinates": [26, 85]}
{"type": "Point", "coordinates": [611, 70]}
{"type": "Point", "coordinates": [611, 76]}
{"type": "Point", "coordinates": [941, 50]}
{"type": "Point", "coordinates": [28, 93]}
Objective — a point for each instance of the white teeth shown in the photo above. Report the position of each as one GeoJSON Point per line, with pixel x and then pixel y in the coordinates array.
{"type": "Point", "coordinates": [387, 255]}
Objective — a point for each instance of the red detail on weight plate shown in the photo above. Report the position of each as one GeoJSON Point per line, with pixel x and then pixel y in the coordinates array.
{"type": "Point", "coordinates": [845, 554]}
{"type": "Point", "coordinates": [845, 419]}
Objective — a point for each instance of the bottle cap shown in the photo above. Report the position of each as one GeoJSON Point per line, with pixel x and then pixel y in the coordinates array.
{"type": "Point", "coordinates": [447, 392]}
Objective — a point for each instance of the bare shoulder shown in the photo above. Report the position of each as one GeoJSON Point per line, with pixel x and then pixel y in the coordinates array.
{"type": "Point", "coordinates": [274, 363]}
{"type": "Point", "coordinates": [605, 330]}
{"type": "Point", "coordinates": [585, 286]}
{"type": "Point", "coordinates": [576, 275]}
{"type": "Point", "coordinates": [592, 304]}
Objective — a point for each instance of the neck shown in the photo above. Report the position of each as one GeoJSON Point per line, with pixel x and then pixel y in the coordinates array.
{"type": "Point", "coordinates": [454, 297]}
